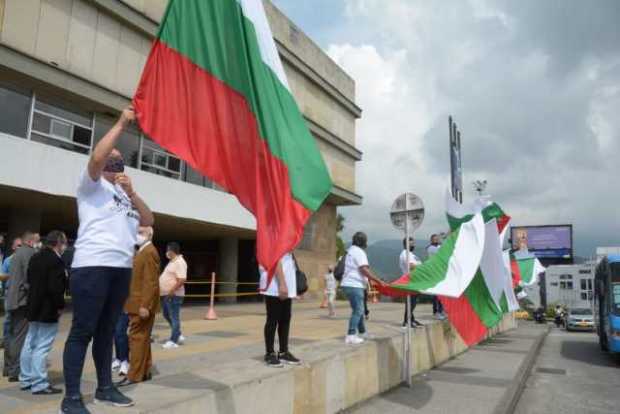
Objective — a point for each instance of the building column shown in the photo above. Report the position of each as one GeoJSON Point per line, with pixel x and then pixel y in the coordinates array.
{"type": "Point", "coordinates": [22, 220]}
{"type": "Point", "coordinates": [229, 268]}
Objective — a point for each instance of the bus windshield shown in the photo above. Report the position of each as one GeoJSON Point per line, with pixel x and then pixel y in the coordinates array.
{"type": "Point", "coordinates": [615, 287]}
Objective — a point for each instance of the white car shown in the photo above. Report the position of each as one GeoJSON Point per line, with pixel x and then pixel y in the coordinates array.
{"type": "Point", "coordinates": [580, 319]}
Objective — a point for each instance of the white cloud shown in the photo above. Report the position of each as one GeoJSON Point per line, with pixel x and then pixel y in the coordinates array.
{"type": "Point", "coordinates": [539, 117]}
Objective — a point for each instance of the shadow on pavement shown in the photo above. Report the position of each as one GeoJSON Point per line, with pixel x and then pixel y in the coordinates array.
{"type": "Point", "coordinates": [416, 397]}
{"type": "Point", "coordinates": [588, 352]}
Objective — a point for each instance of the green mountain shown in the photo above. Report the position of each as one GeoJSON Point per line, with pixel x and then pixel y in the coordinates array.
{"type": "Point", "coordinates": [383, 256]}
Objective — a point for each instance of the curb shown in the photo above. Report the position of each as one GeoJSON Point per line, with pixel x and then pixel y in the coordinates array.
{"type": "Point", "coordinates": [508, 403]}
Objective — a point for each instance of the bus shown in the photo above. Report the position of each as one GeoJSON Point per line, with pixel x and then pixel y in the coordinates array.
{"type": "Point", "coordinates": [607, 303]}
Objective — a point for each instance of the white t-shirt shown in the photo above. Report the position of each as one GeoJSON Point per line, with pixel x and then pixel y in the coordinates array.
{"type": "Point", "coordinates": [288, 267]}
{"type": "Point", "coordinates": [330, 282]}
{"type": "Point", "coordinates": [404, 265]}
{"type": "Point", "coordinates": [356, 258]}
{"type": "Point", "coordinates": [108, 225]}
{"type": "Point", "coordinates": [432, 250]}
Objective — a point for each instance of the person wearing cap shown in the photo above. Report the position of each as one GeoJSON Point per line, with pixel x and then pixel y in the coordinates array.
{"type": "Point", "coordinates": [109, 211]}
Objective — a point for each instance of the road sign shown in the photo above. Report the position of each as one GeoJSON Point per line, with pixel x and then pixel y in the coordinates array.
{"type": "Point", "coordinates": [407, 212]}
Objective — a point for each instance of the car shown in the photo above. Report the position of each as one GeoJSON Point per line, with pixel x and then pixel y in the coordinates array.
{"type": "Point", "coordinates": [579, 319]}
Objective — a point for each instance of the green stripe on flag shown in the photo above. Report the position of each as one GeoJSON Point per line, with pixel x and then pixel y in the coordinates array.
{"type": "Point", "coordinates": [233, 56]}
{"type": "Point", "coordinates": [481, 300]}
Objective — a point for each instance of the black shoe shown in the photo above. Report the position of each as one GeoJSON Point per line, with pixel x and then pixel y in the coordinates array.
{"type": "Point", "coordinates": [124, 382]}
{"type": "Point", "coordinates": [112, 396]}
{"type": "Point", "coordinates": [416, 323]}
{"type": "Point", "coordinates": [26, 388]}
{"type": "Point", "coordinates": [48, 391]}
{"type": "Point", "coordinates": [13, 379]}
{"type": "Point", "coordinates": [273, 361]}
{"type": "Point", "coordinates": [288, 358]}
{"type": "Point", "coordinates": [73, 405]}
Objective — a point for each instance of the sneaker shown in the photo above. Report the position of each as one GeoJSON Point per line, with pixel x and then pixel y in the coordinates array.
{"type": "Point", "coordinates": [181, 340]}
{"type": "Point", "coordinates": [170, 345]}
{"type": "Point", "coordinates": [416, 323]}
{"type": "Point", "coordinates": [288, 358]}
{"type": "Point", "coordinates": [116, 364]}
{"type": "Point", "coordinates": [366, 336]}
{"type": "Point", "coordinates": [124, 369]}
{"type": "Point", "coordinates": [48, 391]}
{"type": "Point", "coordinates": [273, 361]}
{"type": "Point", "coordinates": [73, 405]}
{"type": "Point", "coordinates": [112, 396]}
{"type": "Point", "coordinates": [353, 340]}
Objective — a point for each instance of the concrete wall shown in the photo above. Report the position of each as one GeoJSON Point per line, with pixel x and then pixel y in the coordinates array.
{"type": "Point", "coordinates": [161, 194]}
{"type": "Point", "coordinates": [334, 377]}
{"type": "Point", "coordinates": [314, 262]}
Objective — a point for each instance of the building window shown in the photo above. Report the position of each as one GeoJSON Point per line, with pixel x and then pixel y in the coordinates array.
{"type": "Point", "coordinates": [57, 124]}
{"type": "Point", "coordinates": [194, 177]}
{"type": "Point", "coordinates": [566, 277]}
{"type": "Point", "coordinates": [309, 232]}
{"type": "Point", "coordinates": [554, 283]}
{"type": "Point", "coordinates": [585, 271]}
{"type": "Point", "coordinates": [157, 160]}
{"type": "Point", "coordinates": [584, 285]}
{"type": "Point", "coordinates": [589, 284]}
{"type": "Point", "coordinates": [584, 296]}
{"type": "Point", "coordinates": [15, 112]}
{"type": "Point", "coordinates": [566, 285]}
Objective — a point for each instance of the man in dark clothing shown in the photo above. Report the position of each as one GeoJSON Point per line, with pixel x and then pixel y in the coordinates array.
{"type": "Point", "coordinates": [46, 280]}
{"type": "Point", "coordinates": [16, 301]}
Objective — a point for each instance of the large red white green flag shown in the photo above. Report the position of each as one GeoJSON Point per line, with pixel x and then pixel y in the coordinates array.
{"type": "Point", "coordinates": [214, 92]}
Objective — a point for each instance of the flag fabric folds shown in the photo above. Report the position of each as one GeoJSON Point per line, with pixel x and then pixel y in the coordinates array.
{"type": "Point", "coordinates": [214, 92]}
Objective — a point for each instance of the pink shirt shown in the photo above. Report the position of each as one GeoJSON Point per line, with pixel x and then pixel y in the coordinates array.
{"type": "Point", "coordinates": [175, 269]}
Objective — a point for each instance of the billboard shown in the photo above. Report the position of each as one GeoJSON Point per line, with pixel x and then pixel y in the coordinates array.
{"type": "Point", "coordinates": [544, 241]}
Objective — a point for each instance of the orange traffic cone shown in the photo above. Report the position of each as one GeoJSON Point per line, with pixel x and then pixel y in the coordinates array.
{"type": "Point", "coordinates": [211, 316]}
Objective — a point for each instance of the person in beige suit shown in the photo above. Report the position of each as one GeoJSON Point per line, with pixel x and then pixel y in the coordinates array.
{"type": "Point", "coordinates": [142, 305]}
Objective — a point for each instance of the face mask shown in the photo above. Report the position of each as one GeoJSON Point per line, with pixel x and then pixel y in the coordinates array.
{"type": "Point", "coordinates": [114, 165]}
{"type": "Point", "coordinates": [37, 246]}
{"type": "Point", "coordinates": [141, 240]}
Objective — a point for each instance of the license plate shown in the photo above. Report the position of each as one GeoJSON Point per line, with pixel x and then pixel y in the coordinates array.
{"type": "Point", "coordinates": [584, 324]}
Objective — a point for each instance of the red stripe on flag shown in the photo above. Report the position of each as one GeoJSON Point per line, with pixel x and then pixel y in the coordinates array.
{"type": "Point", "coordinates": [209, 125]}
{"type": "Point", "coordinates": [516, 272]}
{"type": "Point", "coordinates": [464, 319]}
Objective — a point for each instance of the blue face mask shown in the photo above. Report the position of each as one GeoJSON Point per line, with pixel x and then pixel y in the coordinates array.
{"type": "Point", "coordinates": [114, 165]}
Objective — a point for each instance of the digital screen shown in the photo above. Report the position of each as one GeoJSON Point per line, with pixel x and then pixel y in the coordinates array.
{"type": "Point", "coordinates": [544, 241]}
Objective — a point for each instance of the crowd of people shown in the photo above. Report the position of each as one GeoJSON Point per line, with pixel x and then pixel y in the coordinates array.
{"type": "Point", "coordinates": [117, 289]}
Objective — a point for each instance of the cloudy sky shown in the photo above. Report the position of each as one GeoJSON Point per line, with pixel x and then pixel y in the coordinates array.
{"type": "Point", "coordinates": [533, 85]}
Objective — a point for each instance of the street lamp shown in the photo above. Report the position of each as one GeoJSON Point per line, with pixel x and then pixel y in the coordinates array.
{"type": "Point", "coordinates": [480, 186]}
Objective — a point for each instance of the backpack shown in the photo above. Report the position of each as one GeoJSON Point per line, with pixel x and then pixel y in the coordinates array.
{"type": "Point", "coordinates": [339, 270]}
{"type": "Point", "coordinates": [300, 279]}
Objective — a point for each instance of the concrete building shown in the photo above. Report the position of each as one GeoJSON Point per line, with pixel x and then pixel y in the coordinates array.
{"type": "Point", "coordinates": [569, 285]}
{"type": "Point", "coordinates": [67, 67]}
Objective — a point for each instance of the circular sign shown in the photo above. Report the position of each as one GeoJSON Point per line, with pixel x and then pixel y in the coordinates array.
{"type": "Point", "coordinates": [407, 212]}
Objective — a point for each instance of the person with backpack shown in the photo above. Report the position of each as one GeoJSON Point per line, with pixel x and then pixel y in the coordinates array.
{"type": "Point", "coordinates": [279, 292]}
{"type": "Point", "coordinates": [354, 281]}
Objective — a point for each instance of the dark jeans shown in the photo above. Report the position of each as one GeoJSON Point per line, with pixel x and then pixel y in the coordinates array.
{"type": "Point", "coordinates": [98, 295]}
{"type": "Point", "coordinates": [414, 302]}
{"type": "Point", "coordinates": [278, 318]}
{"type": "Point", "coordinates": [356, 299]}
{"type": "Point", "coordinates": [366, 311]}
{"type": "Point", "coordinates": [437, 306]}
{"type": "Point", "coordinates": [18, 329]}
{"type": "Point", "coordinates": [171, 306]}
{"type": "Point", "coordinates": [121, 340]}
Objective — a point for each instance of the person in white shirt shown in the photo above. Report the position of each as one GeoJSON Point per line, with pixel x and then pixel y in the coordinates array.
{"type": "Point", "coordinates": [110, 212]}
{"type": "Point", "coordinates": [279, 293]}
{"type": "Point", "coordinates": [432, 250]}
{"type": "Point", "coordinates": [330, 291]}
{"type": "Point", "coordinates": [407, 262]}
{"type": "Point", "coordinates": [354, 281]}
